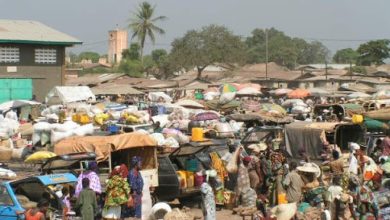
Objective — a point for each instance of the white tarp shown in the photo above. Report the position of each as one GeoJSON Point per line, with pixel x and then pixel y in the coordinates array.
{"type": "Point", "coordinates": [68, 94]}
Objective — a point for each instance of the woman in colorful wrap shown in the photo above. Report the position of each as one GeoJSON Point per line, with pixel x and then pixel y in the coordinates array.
{"type": "Point", "coordinates": [91, 174]}
{"type": "Point", "coordinates": [136, 184]}
{"type": "Point", "coordinates": [117, 193]}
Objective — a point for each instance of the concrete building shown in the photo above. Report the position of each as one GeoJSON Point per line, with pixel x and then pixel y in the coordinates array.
{"type": "Point", "coordinates": [117, 43]}
{"type": "Point", "coordinates": [32, 59]}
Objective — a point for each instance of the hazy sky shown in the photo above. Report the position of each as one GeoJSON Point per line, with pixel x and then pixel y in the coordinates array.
{"type": "Point", "coordinates": [89, 20]}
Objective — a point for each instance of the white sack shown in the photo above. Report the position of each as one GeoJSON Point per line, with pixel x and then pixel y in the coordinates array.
{"type": "Point", "coordinates": [83, 130]}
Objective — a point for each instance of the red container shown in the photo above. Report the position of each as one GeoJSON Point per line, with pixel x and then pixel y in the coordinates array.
{"type": "Point", "coordinates": [199, 179]}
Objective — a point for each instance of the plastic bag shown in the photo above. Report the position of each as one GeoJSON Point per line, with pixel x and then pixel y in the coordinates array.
{"type": "Point", "coordinates": [171, 142]}
{"type": "Point", "coordinates": [224, 130]}
{"type": "Point", "coordinates": [45, 138]}
{"type": "Point", "coordinates": [159, 138]}
{"type": "Point", "coordinates": [232, 167]}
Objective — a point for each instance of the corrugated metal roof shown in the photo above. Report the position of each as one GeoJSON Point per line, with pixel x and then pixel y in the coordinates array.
{"type": "Point", "coordinates": [30, 32]}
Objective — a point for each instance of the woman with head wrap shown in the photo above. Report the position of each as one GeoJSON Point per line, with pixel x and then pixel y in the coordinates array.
{"type": "Point", "coordinates": [91, 174]}
{"type": "Point", "coordinates": [117, 192]}
{"type": "Point", "coordinates": [136, 184]}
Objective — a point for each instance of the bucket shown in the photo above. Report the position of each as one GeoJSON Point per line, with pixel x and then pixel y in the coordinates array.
{"type": "Point", "coordinates": [199, 179]}
{"type": "Point", "coordinates": [197, 134]}
{"type": "Point", "coordinates": [182, 178]}
{"type": "Point", "coordinates": [357, 119]}
{"type": "Point", "coordinates": [76, 118]}
{"type": "Point", "coordinates": [368, 175]}
{"type": "Point", "coordinates": [282, 198]}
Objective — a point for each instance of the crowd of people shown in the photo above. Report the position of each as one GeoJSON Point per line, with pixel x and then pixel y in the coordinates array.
{"type": "Point", "coordinates": [121, 198]}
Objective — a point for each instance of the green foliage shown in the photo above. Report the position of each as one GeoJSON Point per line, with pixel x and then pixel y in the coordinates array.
{"type": "Point", "coordinates": [88, 55]}
{"type": "Point", "coordinates": [96, 70]}
{"type": "Point", "coordinates": [359, 69]}
{"type": "Point", "coordinates": [212, 44]}
{"type": "Point", "coordinates": [159, 55]}
{"type": "Point", "coordinates": [283, 49]}
{"type": "Point", "coordinates": [373, 52]}
{"type": "Point", "coordinates": [133, 68]}
{"type": "Point", "coordinates": [132, 53]}
{"type": "Point", "coordinates": [347, 55]}
{"type": "Point", "coordinates": [143, 24]}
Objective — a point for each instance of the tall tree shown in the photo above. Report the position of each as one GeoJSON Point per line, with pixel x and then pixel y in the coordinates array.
{"type": "Point", "coordinates": [373, 52]}
{"type": "Point", "coordinates": [143, 25]}
{"type": "Point", "coordinates": [347, 55]}
{"type": "Point", "coordinates": [212, 44]}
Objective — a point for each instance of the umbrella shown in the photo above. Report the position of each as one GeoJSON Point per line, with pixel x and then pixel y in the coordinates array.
{"type": "Point", "coordinates": [382, 94]}
{"type": "Point", "coordinates": [227, 88]}
{"type": "Point", "coordinates": [189, 103]}
{"type": "Point", "coordinates": [16, 104]}
{"type": "Point", "coordinates": [282, 91]}
{"type": "Point", "coordinates": [357, 95]}
{"type": "Point", "coordinates": [204, 116]}
{"type": "Point", "coordinates": [318, 92]}
{"type": "Point", "coordinates": [248, 91]}
{"type": "Point", "coordinates": [298, 94]}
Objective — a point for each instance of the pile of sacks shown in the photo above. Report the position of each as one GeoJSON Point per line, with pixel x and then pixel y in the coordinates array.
{"type": "Point", "coordinates": [170, 138]}
{"type": "Point", "coordinates": [135, 117]}
{"type": "Point", "coordinates": [8, 126]}
{"type": "Point", "coordinates": [297, 106]}
{"type": "Point", "coordinates": [46, 133]}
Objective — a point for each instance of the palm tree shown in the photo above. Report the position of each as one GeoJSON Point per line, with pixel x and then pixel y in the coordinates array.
{"type": "Point", "coordinates": [143, 25]}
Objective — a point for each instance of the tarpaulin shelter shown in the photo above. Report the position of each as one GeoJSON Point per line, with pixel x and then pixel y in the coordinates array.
{"type": "Point", "coordinates": [309, 138]}
{"type": "Point", "coordinates": [104, 145]}
{"type": "Point", "coordinates": [68, 94]}
{"type": "Point", "coordinates": [215, 105]}
{"type": "Point", "coordinates": [261, 117]}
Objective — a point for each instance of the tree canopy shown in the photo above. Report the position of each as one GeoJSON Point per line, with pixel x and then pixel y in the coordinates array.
{"type": "Point", "coordinates": [132, 53]}
{"type": "Point", "coordinates": [201, 48]}
{"type": "Point", "coordinates": [373, 52]}
{"type": "Point", "coordinates": [283, 49]}
{"type": "Point", "coordinates": [347, 55]}
{"type": "Point", "coordinates": [88, 55]}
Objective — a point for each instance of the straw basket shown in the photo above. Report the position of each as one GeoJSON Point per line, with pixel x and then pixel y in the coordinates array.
{"type": "Point", "coordinates": [5, 154]}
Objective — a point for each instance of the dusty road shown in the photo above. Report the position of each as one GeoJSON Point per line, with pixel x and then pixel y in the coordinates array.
{"type": "Point", "coordinates": [223, 214]}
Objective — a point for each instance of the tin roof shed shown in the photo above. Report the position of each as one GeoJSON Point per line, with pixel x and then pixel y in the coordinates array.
{"type": "Point", "coordinates": [33, 32]}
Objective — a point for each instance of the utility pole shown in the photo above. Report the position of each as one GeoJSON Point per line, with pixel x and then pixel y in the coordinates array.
{"type": "Point", "coordinates": [266, 54]}
{"type": "Point", "coordinates": [326, 71]}
{"type": "Point", "coordinates": [350, 69]}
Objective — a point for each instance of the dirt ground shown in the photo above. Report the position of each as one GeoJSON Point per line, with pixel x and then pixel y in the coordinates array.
{"type": "Point", "coordinates": [223, 214]}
